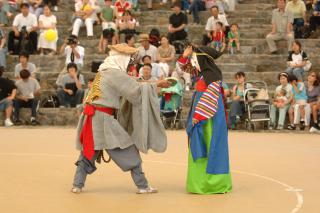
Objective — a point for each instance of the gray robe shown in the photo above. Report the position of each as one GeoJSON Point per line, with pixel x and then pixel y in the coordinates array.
{"type": "Point", "coordinates": [148, 132]}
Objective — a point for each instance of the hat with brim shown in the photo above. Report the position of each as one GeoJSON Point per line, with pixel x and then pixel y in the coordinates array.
{"type": "Point", "coordinates": [123, 48]}
{"type": "Point", "coordinates": [143, 37]}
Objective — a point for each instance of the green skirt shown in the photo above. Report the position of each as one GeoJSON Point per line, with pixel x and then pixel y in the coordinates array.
{"type": "Point", "coordinates": [198, 181]}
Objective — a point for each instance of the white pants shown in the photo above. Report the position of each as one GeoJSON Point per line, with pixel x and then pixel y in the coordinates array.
{"type": "Point", "coordinates": [307, 112]}
{"type": "Point", "coordinates": [79, 22]}
{"type": "Point", "coordinates": [186, 77]}
{"type": "Point", "coordinates": [164, 68]}
{"type": "Point", "coordinates": [108, 25]}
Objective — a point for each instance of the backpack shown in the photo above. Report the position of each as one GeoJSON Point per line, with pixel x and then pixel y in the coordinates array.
{"type": "Point", "coordinates": [51, 101]}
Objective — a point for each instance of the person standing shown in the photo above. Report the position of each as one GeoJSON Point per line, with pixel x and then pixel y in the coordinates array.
{"type": "Point", "coordinates": [208, 164]}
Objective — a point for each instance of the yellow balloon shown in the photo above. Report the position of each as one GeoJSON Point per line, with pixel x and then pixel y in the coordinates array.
{"type": "Point", "coordinates": [51, 35]}
{"type": "Point", "coordinates": [87, 7]}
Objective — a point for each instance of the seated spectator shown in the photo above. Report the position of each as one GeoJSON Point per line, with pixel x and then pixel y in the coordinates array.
{"type": "Point", "coordinates": [282, 21]}
{"type": "Point", "coordinates": [85, 15]}
{"type": "Point", "coordinates": [7, 94]}
{"type": "Point", "coordinates": [53, 3]}
{"type": "Point", "coordinates": [147, 73]}
{"type": "Point", "coordinates": [108, 37]}
{"type": "Point", "coordinates": [156, 71]}
{"type": "Point", "coordinates": [13, 5]}
{"type": "Point", "coordinates": [218, 41]}
{"type": "Point", "coordinates": [237, 104]}
{"type": "Point", "coordinates": [28, 92]}
{"type": "Point", "coordinates": [47, 24]}
{"type": "Point", "coordinates": [177, 24]}
{"type": "Point", "coordinates": [5, 13]}
{"type": "Point", "coordinates": [313, 102]}
{"type": "Point", "coordinates": [226, 90]}
{"type": "Point", "coordinates": [3, 49]}
{"type": "Point", "coordinates": [24, 28]}
{"type": "Point", "coordinates": [298, 10]}
{"type": "Point", "coordinates": [146, 48]}
{"type": "Point", "coordinates": [24, 65]}
{"type": "Point", "coordinates": [36, 7]}
{"type": "Point", "coordinates": [315, 19]}
{"type": "Point", "coordinates": [108, 14]}
{"type": "Point", "coordinates": [234, 39]}
{"type": "Point", "coordinates": [130, 40]}
{"type": "Point", "coordinates": [212, 24]}
{"type": "Point", "coordinates": [154, 37]}
{"type": "Point", "coordinates": [195, 7]}
{"type": "Point", "coordinates": [280, 99]}
{"type": "Point", "coordinates": [70, 92]}
{"type": "Point", "coordinates": [283, 79]}
{"type": "Point", "coordinates": [126, 24]}
{"type": "Point", "coordinates": [299, 102]}
{"type": "Point", "coordinates": [122, 6]}
{"type": "Point", "coordinates": [74, 53]}
{"type": "Point", "coordinates": [165, 55]}
{"type": "Point", "coordinates": [132, 68]}
{"type": "Point", "coordinates": [297, 60]}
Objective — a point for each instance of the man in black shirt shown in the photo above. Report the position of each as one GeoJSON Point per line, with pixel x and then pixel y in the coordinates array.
{"type": "Point", "coordinates": [7, 93]}
{"type": "Point", "coordinates": [177, 24]}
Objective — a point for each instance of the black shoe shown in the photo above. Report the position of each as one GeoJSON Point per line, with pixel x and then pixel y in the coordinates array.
{"type": "Point", "coordinates": [302, 125]}
{"type": "Point", "coordinates": [291, 127]}
{"type": "Point", "coordinates": [316, 126]}
{"type": "Point", "coordinates": [18, 123]}
{"type": "Point", "coordinates": [34, 122]}
{"type": "Point", "coordinates": [274, 53]}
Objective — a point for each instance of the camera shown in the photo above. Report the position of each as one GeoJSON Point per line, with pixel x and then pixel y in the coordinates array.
{"type": "Point", "coordinates": [72, 40]}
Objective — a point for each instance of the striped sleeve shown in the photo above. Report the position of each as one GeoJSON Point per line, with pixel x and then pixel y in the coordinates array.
{"type": "Point", "coordinates": [208, 103]}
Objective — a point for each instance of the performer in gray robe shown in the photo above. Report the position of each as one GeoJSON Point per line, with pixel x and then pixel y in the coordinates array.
{"type": "Point", "coordinates": [141, 128]}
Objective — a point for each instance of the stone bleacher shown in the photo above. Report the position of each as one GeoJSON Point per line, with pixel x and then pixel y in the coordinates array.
{"type": "Point", "coordinates": [252, 16]}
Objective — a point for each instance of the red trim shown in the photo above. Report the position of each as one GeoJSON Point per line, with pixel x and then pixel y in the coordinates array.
{"type": "Point", "coordinates": [183, 60]}
{"type": "Point", "coordinates": [199, 117]}
{"type": "Point", "coordinates": [201, 86]}
{"type": "Point", "coordinates": [86, 136]}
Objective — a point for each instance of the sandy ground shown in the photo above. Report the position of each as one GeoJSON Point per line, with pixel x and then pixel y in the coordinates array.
{"type": "Point", "coordinates": [271, 173]}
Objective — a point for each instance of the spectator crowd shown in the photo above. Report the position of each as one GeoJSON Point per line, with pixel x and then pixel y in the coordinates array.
{"type": "Point", "coordinates": [33, 29]}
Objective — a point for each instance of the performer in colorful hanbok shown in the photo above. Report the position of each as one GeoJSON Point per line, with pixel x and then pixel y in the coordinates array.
{"type": "Point", "coordinates": [208, 164]}
{"type": "Point", "coordinates": [122, 132]}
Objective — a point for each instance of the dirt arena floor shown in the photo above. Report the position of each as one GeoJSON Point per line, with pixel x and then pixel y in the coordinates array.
{"type": "Point", "coordinates": [271, 173]}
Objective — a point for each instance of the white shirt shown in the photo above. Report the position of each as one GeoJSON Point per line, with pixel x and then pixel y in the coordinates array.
{"type": "Point", "coordinates": [211, 23]}
{"type": "Point", "coordinates": [68, 51]}
{"type": "Point", "coordinates": [48, 21]}
{"type": "Point", "coordinates": [152, 52]}
{"type": "Point", "coordinates": [28, 21]}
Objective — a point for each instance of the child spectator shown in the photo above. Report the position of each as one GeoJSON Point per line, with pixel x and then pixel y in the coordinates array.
{"type": "Point", "coordinates": [28, 91]}
{"type": "Point", "coordinates": [297, 60]}
{"type": "Point", "coordinates": [234, 39]}
{"type": "Point", "coordinates": [7, 94]}
{"type": "Point", "coordinates": [299, 101]}
{"type": "Point", "coordinates": [47, 24]}
{"type": "Point", "coordinates": [24, 65]}
{"type": "Point", "coordinates": [281, 99]}
{"type": "Point", "coordinates": [122, 6]}
{"type": "Point", "coordinates": [218, 38]}
{"type": "Point", "coordinates": [85, 14]}
{"type": "Point", "coordinates": [70, 92]}
{"type": "Point", "coordinates": [107, 16]}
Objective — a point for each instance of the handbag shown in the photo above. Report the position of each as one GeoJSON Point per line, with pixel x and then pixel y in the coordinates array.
{"type": "Point", "coordinates": [308, 65]}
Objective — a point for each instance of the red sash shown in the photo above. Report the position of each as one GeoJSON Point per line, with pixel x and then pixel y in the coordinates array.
{"type": "Point", "coordinates": [86, 136]}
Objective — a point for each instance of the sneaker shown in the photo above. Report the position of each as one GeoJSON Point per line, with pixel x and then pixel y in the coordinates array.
{"type": "Point", "coordinates": [76, 190]}
{"type": "Point", "coordinates": [148, 190]}
{"type": "Point", "coordinates": [315, 128]}
{"type": "Point", "coordinates": [187, 88]}
{"type": "Point", "coordinates": [34, 122]}
{"type": "Point", "coordinates": [17, 122]}
{"type": "Point", "coordinates": [8, 122]}
{"type": "Point", "coordinates": [55, 8]}
{"type": "Point", "coordinates": [291, 127]}
{"type": "Point", "coordinates": [280, 127]}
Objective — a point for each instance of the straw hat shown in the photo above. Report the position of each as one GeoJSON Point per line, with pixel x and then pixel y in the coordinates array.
{"type": "Point", "coordinates": [143, 37]}
{"type": "Point", "coordinates": [123, 48]}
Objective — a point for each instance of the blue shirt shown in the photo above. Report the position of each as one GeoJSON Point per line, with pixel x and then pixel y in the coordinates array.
{"type": "Point", "coordinates": [302, 94]}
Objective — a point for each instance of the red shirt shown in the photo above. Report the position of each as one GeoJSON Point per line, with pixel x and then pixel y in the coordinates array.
{"type": "Point", "coordinates": [121, 8]}
{"type": "Point", "coordinates": [219, 36]}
